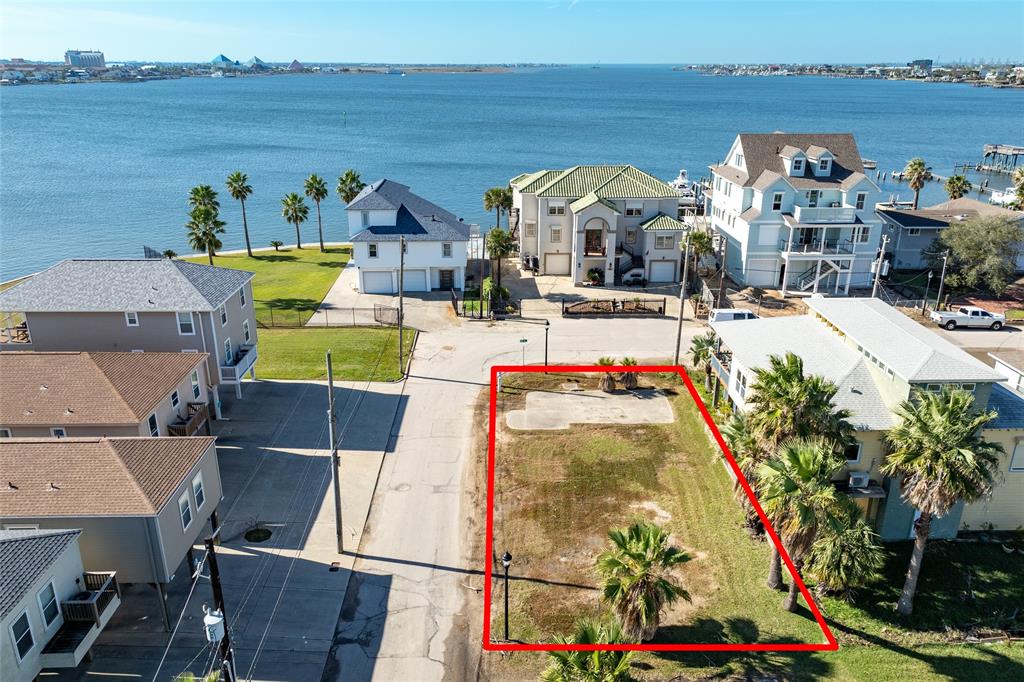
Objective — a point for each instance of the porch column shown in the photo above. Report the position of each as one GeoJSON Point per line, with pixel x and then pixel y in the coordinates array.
{"type": "Point", "coordinates": [788, 263]}
{"type": "Point", "coordinates": [252, 372]}
{"type": "Point", "coordinates": [216, 402]}
{"type": "Point", "coordinates": [215, 525]}
{"type": "Point", "coordinates": [238, 388]}
{"type": "Point", "coordinates": [609, 257]}
{"type": "Point", "coordinates": [849, 276]}
{"type": "Point", "coordinates": [817, 277]}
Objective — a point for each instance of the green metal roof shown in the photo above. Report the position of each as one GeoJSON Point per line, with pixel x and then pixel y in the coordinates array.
{"type": "Point", "coordinates": [535, 181]}
{"type": "Point", "coordinates": [663, 222]}
{"type": "Point", "coordinates": [525, 178]}
{"type": "Point", "coordinates": [608, 182]}
{"type": "Point", "coordinates": [590, 200]}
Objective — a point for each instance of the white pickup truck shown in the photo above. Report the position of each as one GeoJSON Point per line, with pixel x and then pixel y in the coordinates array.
{"type": "Point", "coordinates": [967, 316]}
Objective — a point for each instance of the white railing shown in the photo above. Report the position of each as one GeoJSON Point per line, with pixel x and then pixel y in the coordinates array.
{"type": "Point", "coordinates": [827, 214]}
{"type": "Point", "coordinates": [243, 362]}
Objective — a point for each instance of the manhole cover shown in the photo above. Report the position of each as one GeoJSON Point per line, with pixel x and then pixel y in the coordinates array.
{"type": "Point", "coordinates": [258, 534]}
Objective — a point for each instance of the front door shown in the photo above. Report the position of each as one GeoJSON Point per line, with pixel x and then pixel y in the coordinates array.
{"type": "Point", "coordinates": [812, 199]}
{"type": "Point", "coordinates": [447, 279]}
{"type": "Point", "coordinates": [592, 244]}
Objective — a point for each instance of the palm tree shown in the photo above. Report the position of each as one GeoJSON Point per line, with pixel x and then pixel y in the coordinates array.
{"type": "Point", "coordinates": [203, 229]}
{"type": "Point", "coordinates": [629, 381]}
{"type": "Point", "coordinates": [957, 186]}
{"type": "Point", "coordinates": [203, 195]}
{"type": "Point", "coordinates": [747, 452]}
{"type": "Point", "coordinates": [493, 201]}
{"type": "Point", "coordinates": [499, 247]}
{"type": "Point", "coordinates": [349, 185]}
{"type": "Point", "coordinates": [590, 666]}
{"type": "Point", "coordinates": [701, 349]}
{"type": "Point", "coordinates": [917, 173]}
{"type": "Point", "coordinates": [506, 205]}
{"type": "Point", "coordinates": [607, 379]}
{"type": "Point", "coordinates": [170, 254]}
{"type": "Point", "coordinates": [938, 452]}
{"type": "Point", "coordinates": [277, 244]}
{"type": "Point", "coordinates": [636, 577]}
{"type": "Point", "coordinates": [796, 489]}
{"type": "Point", "coordinates": [316, 189]}
{"type": "Point", "coordinates": [295, 211]}
{"type": "Point", "coordinates": [700, 246]}
{"type": "Point", "coordinates": [846, 556]}
{"type": "Point", "coordinates": [238, 187]}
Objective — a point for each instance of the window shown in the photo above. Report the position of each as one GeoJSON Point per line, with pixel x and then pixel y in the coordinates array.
{"type": "Point", "coordinates": [741, 384]}
{"type": "Point", "coordinates": [154, 425]}
{"type": "Point", "coordinates": [175, 400]}
{"type": "Point", "coordinates": [556, 208]}
{"type": "Point", "coordinates": [852, 452]}
{"type": "Point", "coordinates": [531, 229]}
{"type": "Point", "coordinates": [823, 165]}
{"type": "Point", "coordinates": [227, 351]}
{"type": "Point", "coordinates": [21, 630]}
{"type": "Point", "coordinates": [798, 165]}
{"type": "Point", "coordinates": [631, 236]}
{"type": "Point", "coordinates": [968, 387]}
{"type": "Point", "coordinates": [48, 605]}
{"type": "Point", "coordinates": [1017, 458]}
{"type": "Point", "coordinates": [777, 201]}
{"type": "Point", "coordinates": [241, 297]}
{"type": "Point", "coordinates": [371, 250]}
{"type": "Point", "coordinates": [131, 319]}
{"type": "Point", "coordinates": [245, 331]}
{"type": "Point", "coordinates": [933, 388]}
{"type": "Point", "coordinates": [634, 208]}
{"type": "Point", "coordinates": [913, 231]}
{"type": "Point", "coordinates": [223, 310]}
{"type": "Point", "coordinates": [862, 234]}
{"type": "Point", "coordinates": [663, 241]}
{"type": "Point", "coordinates": [556, 234]}
{"type": "Point", "coordinates": [195, 383]}
{"type": "Point", "coordinates": [185, 510]}
{"type": "Point", "coordinates": [58, 432]}
{"type": "Point", "coordinates": [737, 160]}
{"type": "Point", "coordinates": [862, 198]}
{"type": "Point", "coordinates": [5, 433]}
{"type": "Point", "coordinates": [197, 490]}
{"type": "Point", "coordinates": [364, 216]}
{"type": "Point", "coordinates": [185, 325]}
{"type": "Point", "coordinates": [446, 250]}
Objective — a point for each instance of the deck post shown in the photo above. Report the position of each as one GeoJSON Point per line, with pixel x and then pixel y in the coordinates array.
{"type": "Point", "coordinates": [163, 606]}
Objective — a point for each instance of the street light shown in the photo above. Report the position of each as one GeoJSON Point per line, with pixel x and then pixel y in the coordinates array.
{"type": "Point", "coordinates": [927, 288]}
{"type": "Point", "coordinates": [506, 561]}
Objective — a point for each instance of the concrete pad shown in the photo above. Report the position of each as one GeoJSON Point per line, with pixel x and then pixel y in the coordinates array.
{"type": "Point", "coordinates": [548, 410]}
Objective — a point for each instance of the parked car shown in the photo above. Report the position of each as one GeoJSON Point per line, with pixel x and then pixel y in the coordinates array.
{"type": "Point", "coordinates": [729, 314]}
{"type": "Point", "coordinates": [967, 316]}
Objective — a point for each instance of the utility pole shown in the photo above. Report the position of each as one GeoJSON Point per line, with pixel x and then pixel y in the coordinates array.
{"type": "Point", "coordinates": [227, 655]}
{"type": "Point", "coordinates": [682, 295]}
{"type": "Point", "coordinates": [878, 266]}
{"type": "Point", "coordinates": [942, 279]}
{"type": "Point", "coordinates": [480, 258]}
{"type": "Point", "coordinates": [401, 294]}
{"type": "Point", "coordinates": [335, 461]}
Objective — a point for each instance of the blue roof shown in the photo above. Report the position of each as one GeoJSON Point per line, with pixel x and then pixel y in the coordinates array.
{"type": "Point", "coordinates": [1010, 407]}
{"type": "Point", "coordinates": [416, 219]}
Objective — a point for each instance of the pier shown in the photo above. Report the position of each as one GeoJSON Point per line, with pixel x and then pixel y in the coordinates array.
{"type": "Point", "coordinates": [1001, 158]}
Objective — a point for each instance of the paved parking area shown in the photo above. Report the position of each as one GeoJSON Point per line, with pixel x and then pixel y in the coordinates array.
{"type": "Point", "coordinates": [554, 410]}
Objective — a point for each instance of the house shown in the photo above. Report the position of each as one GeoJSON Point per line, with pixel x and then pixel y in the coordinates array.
{"type": "Point", "coordinates": [911, 232]}
{"type": "Point", "coordinates": [141, 503]}
{"type": "Point", "coordinates": [876, 355]}
{"type": "Point", "coordinates": [138, 305]}
{"type": "Point", "coordinates": [613, 221]}
{"type": "Point", "coordinates": [796, 212]}
{"type": "Point", "coordinates": [50, 606]}
{"type": "Point", "coordinates": [69, 394]}
{"type": "Point", "coordinates": [435, 241]}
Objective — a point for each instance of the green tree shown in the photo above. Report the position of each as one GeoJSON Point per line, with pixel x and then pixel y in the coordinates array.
{"type": "Point", "coordinates": [277, 244]}
{"type": "Point", "coordinates": [240, 190]}
{"type": "Point", "coordinates": [170, 254]}
{"type": "Point", "coordinates": [349, 185]}
{"type": "Point", "coordinates": [701, 349]}
{"type": "Point", "coordinates": [916, 174]}
{"type": "Point", "coordinates": [938, 453]}
{"type": "Point", "coordinates": [494, 201]}
{"type": "Point", "coordinates": [983, 252]}
{"type": "Point", "coordinates": [204, 230]}
{"type": "Point", "coordinates": [957, 186]}
{"type": "Point", "coordinates": [629, 380]}
{"type": "Point", "coordinates": [636, 577]}
{"type": "Point", "coordinates": [499, 247]}
{"type": "Point", "coordinates": [700, 246]}
{"type": "Point", "coordinates": [795, 487]}
{"type": "Point", "coordinates": [746, 450]}
{"type": "Point", "coordinates": [203, 195]}
{"type": "Point", "coordinates": [295, 211]}
{"type": "Point", "coordinates": [506, 206]}
{"type": "Point", "coordinates": [845, 556]}
{"type": "Point", "coordinates": [590, 666]}
{"type": "Point", "coordinates": [316, 189]}
{"type": "Point", "coordinates": [607, 379]}
{"type": "Point", "coordinates": [1018, 185]}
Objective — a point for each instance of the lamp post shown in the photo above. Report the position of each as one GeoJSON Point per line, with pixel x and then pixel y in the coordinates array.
{"type": "Point", "coordinates": [927, 288]}
{"type": "Point", "coordinates": [547, 328]}
{"type": "Point", "coordinates": [506, 561]}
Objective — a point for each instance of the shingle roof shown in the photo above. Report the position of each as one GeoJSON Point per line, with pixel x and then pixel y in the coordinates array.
{"type": "Point", "coordinates": [590, 200]}
{"type": "Point", "coordinates": [912, 351]}
{"type": "Point", "coordinates": [920, 218]}
{"type": "Point", "coordinates": [731, 173]}
{"type": "Point", "coordinates": [816, 151]}
{"type": "Point", "coordinates": [606, 181]}
{"type": "Point", "coordinates": [25, 557]}
{"type": "Point", "coordinates": [101, 389]}
{"type": "Point", "coordinates": [98, 285]}
{"type": "Point", "coordinates": [73, 477]}
{"type": "Point", "coordinates": [942, 215]}
{"type": "Point", "coordinates": [764, 151]}
{"type": "Point", "coordinates": [766, 180]}
{"type": "Point", "coordinates": [663, 222]}
{"type": "Point", "coordinates": [416, 218]}
{"type": "Point", "coordinates": [1009, 406]}
{"type": "Point", "coordinates": [973, 207]}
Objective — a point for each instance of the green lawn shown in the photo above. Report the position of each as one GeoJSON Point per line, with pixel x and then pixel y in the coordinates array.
{"type": "Point", "coordinates": [299, 353]}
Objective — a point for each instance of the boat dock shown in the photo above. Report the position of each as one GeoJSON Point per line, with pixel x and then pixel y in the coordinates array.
{"type": "Point", "coordinates": [1001, 158]}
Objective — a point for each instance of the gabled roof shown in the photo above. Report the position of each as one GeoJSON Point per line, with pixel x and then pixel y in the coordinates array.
{"type": "Point", "coordinates": [606, 181]}
{"type": "Point", "coordinates": [75, 477]}
{"type": "Point", "coordinates": [590, 200]}
{"type": "Point", "coordinates": [26, 556]}
{"type": "Point", "coordinates": [816, 152]}
{"type": "Point", "coordinates": [531, 182]}
{"type": "Point", "coordinates": [789, 151]}
{"type": "Point", "coordinates": [119, 285]}
{"type": "Point", "coordinates": [852, 180]}
{"type": "Point", "coordinates": [417, 219]}
{"type": "Point", "coordinates": [765, 151]}
{"type": "Point", "coordinates": [95, 389]}
{"type": "Point", "coordinates": [663, 222]}
{"type": "Point", "coordinates": [732, 173]}
{"type": "Point", "coordinates": [766, 180]}
{"type": "Point", "coordinates": [920, 218]}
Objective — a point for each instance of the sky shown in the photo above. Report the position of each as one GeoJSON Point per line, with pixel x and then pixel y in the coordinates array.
{"type": "Point", "coordinates": [568, 31]}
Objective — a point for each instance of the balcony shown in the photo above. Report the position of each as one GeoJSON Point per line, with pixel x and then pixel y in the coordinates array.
{"type": "Point", "coordinates": [816, 247]}
{"type": "Point", "coordinates": [721, 365]}
{"type": "Point", "coordinates": [14, 331]}
{"type": "Point", "coordinates": [591, 250]}
{"type": "Point", "coordinates": [245, 357]}
{"type": "Point", "coordinates": [196, 421]}
{"type": "Point", "coordinates": [838, 214]}
{"type": "Point", "coordinates": [85, 616]}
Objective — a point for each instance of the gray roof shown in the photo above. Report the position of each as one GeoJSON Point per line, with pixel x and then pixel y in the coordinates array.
{"type": "Point", "coordinates": [25, 557]}
{"type": "Point", "coordinates": [1009, 406]}
{"type": "Point", "coordinates": [943, 215]}
{"type": "Point", "coordinates": [915, 353]}
{"type": "Point", "coordinates": [96, 285]}
{"type": "Point", "coordinates": [763, 151]}
{"type": "Point", "coordinates": [416, 219]}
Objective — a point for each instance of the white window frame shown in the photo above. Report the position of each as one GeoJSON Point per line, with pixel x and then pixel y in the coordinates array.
{"type": "Point", "coordinates": [191, 323]}
{"type": "Point", "coordinates": [372, 250]}
{"type": "Point", "coordinates": [860, 200]}
{"type": "Point", "coordinates": [798, 165]}
{"type": "Point", "coordinates": [241, 297]}
{"type": "Point", "coordinates": [194, 379]}
{"type": "Point", "coordinates": [555, 232]}
{"type": "Point", "coordinates": [153, 423]}
{"type": "Point", "coordinates": [446, 249]}
{"type": "Point", "coordinates": [531, 228]}
{"type": "Point", "coordinates": [5, 433]}
{"type": "Point", "coordinates": [860, 450]}
{"type": "Point", "coordinates": [777, 199]}
{"type": "Point", "coordinates": [228, 351]}
{"type": "Point", "coordinates": [175, 399]}
{"type": "Point", "coordinates": [1017, 456]}
{"type": "Point", "coordinates": [556, 207]}
{"type": "Point", "coordinates": [223, 312]}
{"type": "Point", "coordinates": [741, 384]}
{"type": "Point", "coordinates": [364, 218]}
{"type": "Point", "coordinates": [663, 241]}
{"type": "Point", "coordinates": [58, 429]}
{"type": "Point", "coordinates": [862, 234]}
{"type": "Point", "coordinates": [737, 160]}
{"type": "Point", "coordinates": [14, 638]}
{"type": "Point", "coordinates": [131, 318]}
{"type": "Point", "coordinates": [42, 607]}
{"type": "Point", "coordinates": [198, 490]}
{"type": "Point", "coordinates": [246, 334]}
{"type": "Point", "coordinates": [823, 164]}
{"type": "Point", "coordinates": [186, 507]}
{"type": "Point", "coordinates": [634, 209]}
{"type": "Point", "coordinates": [631, 236]}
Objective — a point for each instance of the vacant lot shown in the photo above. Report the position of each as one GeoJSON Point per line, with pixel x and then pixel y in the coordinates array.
{"type": "Point", "coordinates": [358, 353]}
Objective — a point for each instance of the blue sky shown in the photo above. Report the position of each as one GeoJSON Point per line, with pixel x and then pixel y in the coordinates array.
{"type": "Point", "coordinates": [572, 31]}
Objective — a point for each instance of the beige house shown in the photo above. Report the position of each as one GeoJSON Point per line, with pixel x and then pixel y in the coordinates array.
{"type": "Point", "coordinates": [137, 305]}
{"type": "Point", "coordinates": [141, 503]}
{"type": "Point", "coordinates": [103, 394]}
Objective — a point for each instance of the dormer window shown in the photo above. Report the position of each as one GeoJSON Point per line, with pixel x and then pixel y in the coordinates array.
{"type": "Point", "coordinates": [823, 165]}
{"type": "Point", "coordinates": [798, 166]}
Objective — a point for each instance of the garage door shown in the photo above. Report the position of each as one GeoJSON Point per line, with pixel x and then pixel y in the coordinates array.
{"type": "Point", "coordinates": [663, 271]}
{"type": "Point", "coordinates": [377, 283]}
{"type": "Point", "coordinates": [557, 264]}
{"type": "Point", "coordinates": [415, 280]}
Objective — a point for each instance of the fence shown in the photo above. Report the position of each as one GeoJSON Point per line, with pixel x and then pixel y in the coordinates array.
{"type": "Point", "coordinates": [476, 309]}
{"type": "Point", "coordinates": [614, 306]}
{"type": "Point", "coordinates": [380, 315]}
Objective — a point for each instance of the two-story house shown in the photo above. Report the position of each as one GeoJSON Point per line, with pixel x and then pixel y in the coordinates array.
{"type": "Point", "coordinates": [615, 221]}
{"type": "Point", "coordinates": [138, 305]}
{"type": "Point", "coordinates": [103, 394]}
{"type": "Point", "coordinates": [876, 356]}
{"type": "Point", "coordinates": [435, 241]}
{"type": "Point", "coordinates": [796, 212]}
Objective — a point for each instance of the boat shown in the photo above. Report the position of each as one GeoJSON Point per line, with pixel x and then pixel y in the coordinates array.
{"type": "Point", "coordinates": [690, 192]}
{"type": "Point", "coordinates": [217, 74]}
{"type": "Point", "coordinates": [869, 164]}
{"type": "Point", "coordinates": [1003, 198]}
{"type": "Point", "coordinates": [394, 72]}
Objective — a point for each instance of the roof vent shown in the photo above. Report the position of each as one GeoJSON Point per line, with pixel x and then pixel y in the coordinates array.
{"type": "Point", "coordinates": [54, 486]}
{"type": "Point", "coordinates": [11, 486]}
{"type": "Point", "coordinates": [44, 387]}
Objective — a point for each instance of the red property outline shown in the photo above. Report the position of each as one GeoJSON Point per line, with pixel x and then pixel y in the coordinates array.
{"type": "Point", "coordinates": [831, 643]}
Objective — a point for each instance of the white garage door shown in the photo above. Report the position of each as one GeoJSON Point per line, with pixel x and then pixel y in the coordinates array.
{"type": "Point", "coordinates": [415, 280]}
{"type": "Point", "coordinates": [663, 271]}
{"type": "Point", "coordinates": [557, 264]}
{"type": "Point", "coordinates": [377, 283]}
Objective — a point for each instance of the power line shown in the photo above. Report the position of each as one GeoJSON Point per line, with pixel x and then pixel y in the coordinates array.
{"type": "Point", "coordinates": [195, 581]}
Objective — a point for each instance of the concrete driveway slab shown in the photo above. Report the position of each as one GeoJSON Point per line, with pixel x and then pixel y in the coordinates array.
{"type": "Point", "coordinates": [550, 410]}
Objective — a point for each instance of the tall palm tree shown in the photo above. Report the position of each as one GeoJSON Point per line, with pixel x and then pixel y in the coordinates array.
{"type": "Point", "coordinates": [349, 185]}
{"type": "Point", "coordinates": [316, 189]}
{"type": "Point", "coordinates": [240, 190]}
{"type": "Point", "coordinates": [796, 489]}
{"type": "Point", "coordinates": [204, 228]}
{"type": "Point", "coordinates": [636, 577]}
{"type": "Point", "coordinates": [746, 450]}
{"type": "Point", "coordinates": [590, 666]}
{"type": "Point", "coordinates": [957, 186]}
{"type": "Point", "coordinates": [506, 205]}
{"type": "Point", "coordinates": [607, 379]}
{"type": "Point", "coordinates": [700, 246]}
{"type": "Point", "coordinates": [493, 200]}
{"type": "Point", "coordinates": [938, 453]}
{"type": "Point", "coordinates": [295, 211]}
{"type": "Point", "coordinates": [499, 247]}
{"type": "Point", "coordinates": [917, 173]}
{"type": "Point", "coordinates": [701, 349]}
{"type": "Point", "coordinates": [203, 195]}
{"type": "Point", "coordinates": [845, 556]}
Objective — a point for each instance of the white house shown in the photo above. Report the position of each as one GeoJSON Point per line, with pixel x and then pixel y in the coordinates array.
{"type": "Point", "coordinates": [436, 240]}
{"type": "Point", "coordinates": [615, 220]}
{"type": "Point", "coordinates": [796, 211]}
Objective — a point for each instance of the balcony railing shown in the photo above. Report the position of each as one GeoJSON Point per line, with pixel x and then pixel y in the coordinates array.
{"type": "Point", "coordinates": [595, 251]}
{"type": "Point", "coordinates": [85, 616]}
{"type": "Point", "coordinates": [14, 329]}
{"type": "Point", "coordinates": [90, 604]}
{"type": "Point", "coordinates": [721, 364]}
{"type": "Point", "coordinates": [824, 214]}
{"type": "Point", "coordinates": [817, 246]}
{"type": "Point", "coordinates": [241, 363]}
{"type": "Point", "coordinates": [197, 418]}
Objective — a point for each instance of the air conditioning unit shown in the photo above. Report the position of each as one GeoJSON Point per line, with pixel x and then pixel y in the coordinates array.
{"type": "Point", "coordinates": [835, 204]}
{"type": "Point", "coordinates": [859, 479]}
